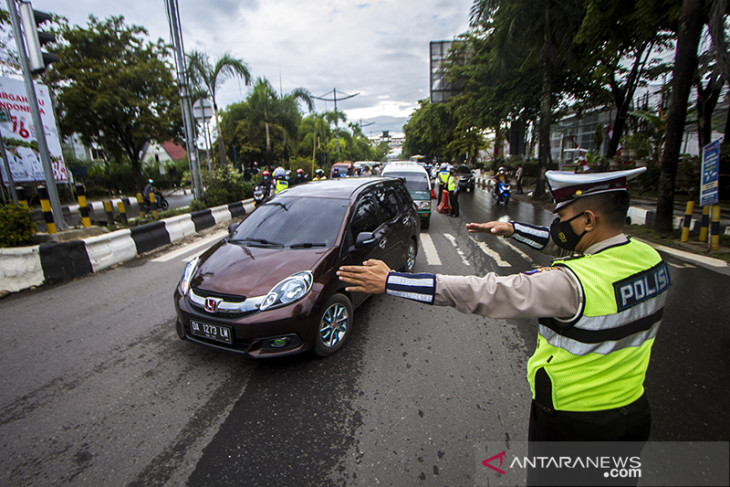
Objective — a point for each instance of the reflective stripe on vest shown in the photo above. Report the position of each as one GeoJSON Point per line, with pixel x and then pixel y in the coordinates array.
{"type": "Point", "coordinates": [599, 360]}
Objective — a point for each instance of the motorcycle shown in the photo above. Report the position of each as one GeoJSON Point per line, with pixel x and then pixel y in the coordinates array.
{"type": "Point", "coordinates": [160, 200]}
{"type": "Point", "coordinates": [259, 195]}
{"type": "Point", "coordinates": [503, 192]}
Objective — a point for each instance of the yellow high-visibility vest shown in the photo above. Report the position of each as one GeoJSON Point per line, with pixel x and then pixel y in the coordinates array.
{"type": "Point", "coordinates": [598, 361]}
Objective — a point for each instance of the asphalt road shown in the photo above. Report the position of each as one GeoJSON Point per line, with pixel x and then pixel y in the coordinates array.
{"type": "Point", "coordinates": [98, 390]}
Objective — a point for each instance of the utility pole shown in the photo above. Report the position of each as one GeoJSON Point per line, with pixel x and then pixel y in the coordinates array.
{"type": "Point", "coordinates": [173, 17]}
{"type": "Point", "coordinates": [334, 98]}
{"type": "Point", "coordinates": [36, 117]}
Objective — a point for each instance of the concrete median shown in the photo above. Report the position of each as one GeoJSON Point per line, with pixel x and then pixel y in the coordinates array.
{"type": "Point", "coordinates": [25, 267]}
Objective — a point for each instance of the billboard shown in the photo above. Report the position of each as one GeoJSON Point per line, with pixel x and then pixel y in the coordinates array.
{"type": "Point", "coordinates": [25, 164]}
{"type": "Point", "coordinates": [441, 90]}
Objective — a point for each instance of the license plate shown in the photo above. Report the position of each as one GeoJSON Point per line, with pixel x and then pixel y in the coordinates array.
{"type": "Point", "coordinates": [212, 332]}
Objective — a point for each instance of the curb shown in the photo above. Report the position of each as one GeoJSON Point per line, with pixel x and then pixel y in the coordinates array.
{"type": "Point", "coordinates": [25, 267]}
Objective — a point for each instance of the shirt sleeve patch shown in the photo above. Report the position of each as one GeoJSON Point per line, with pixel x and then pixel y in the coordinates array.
{"type": "Point", "coordinates": [539, 269]}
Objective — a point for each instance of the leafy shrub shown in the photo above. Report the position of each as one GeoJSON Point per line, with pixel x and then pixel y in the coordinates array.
{"type": "Point", "coordinates": [227, 187]}
{"type": "Point", "coordinates": [196, 205]}
{"type": "Point", "coordinates": [15, 226]}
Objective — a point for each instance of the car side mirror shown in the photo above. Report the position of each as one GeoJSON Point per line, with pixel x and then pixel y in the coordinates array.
{"type": "Point", "coordinates": [232, 227]}
{"type": "Point", "coordinates": [363, 239]}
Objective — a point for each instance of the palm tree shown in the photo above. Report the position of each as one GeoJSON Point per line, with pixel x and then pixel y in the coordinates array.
{"type": "Point", "coordinates": [280, 111]}
{"type": "Point", "coordinates": [211, 76]}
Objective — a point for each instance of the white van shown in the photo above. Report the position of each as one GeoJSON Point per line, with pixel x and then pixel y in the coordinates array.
{"type": "Point", "coordinates": [418, 184]}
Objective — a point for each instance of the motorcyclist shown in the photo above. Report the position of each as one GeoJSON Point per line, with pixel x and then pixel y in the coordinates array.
{"type": "Point", "coordinates": [300, 177]}
{"type": "Point", "coordinates": [148, 189]}
{"type": "Point", "coordinates": [266, 182]}
{"type": "Point", "coordinates": [319, 175]}
{"type": "Point", "coordinates": [501, 176]}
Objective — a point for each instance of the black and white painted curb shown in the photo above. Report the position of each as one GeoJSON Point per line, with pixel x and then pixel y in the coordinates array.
{"type": "Point", "coordinates": [25, 267]}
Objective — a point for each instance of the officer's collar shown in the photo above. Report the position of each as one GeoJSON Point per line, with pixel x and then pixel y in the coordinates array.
{"type": "Point", "coordinates": [604, 244]}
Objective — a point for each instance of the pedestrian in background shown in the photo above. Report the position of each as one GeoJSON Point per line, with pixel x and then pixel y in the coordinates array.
{"type": "Point", "coordinates": [518, 176]}
{"type": "Point", "coordinates": [442, 177]}
{"type": "Point", "coordinates": [599, 313]}
{"type": "Point", "coordinates": [453, 188]}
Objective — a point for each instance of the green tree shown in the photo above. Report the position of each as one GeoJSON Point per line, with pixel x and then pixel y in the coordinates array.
{"type": "Point", "coordinates": [685, 63]}
{"type": "Point", "coordinates": [315, 133]}
{"type": "Point", "coordinates": [115, 89]}
{"type": "Point", "coordinates": [430, 130]}
{"type": "Point", "coordinates": [621, 39]}
{"type": "Point", "coordinates": [540, 36]}
{"type": "Point", "coordinates": [211, 76]}
{"type": "Point", "coordinates": [281, 112]}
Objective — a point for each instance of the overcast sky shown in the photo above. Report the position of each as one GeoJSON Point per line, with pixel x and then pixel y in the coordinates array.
{"type": "Point", "coordinates": [377, 48]}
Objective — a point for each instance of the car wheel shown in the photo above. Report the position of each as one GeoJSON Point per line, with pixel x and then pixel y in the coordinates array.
{"type": "Point", "coordinates": [334, 325]}
{"type": "Point", "coordinates": [410, 257]}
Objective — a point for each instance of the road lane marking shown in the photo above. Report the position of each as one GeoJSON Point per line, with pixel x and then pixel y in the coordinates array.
{"type": "Point", "coordinates": [493, 254]}
{"type": "Point", "coordinates": [682, 266]}
{"type": "Point", "coordinates": [429, 250]}
{"type": "Point", "coordinates": [519, 252]}
{"type": "Point", "coordinates": [452, 239]}
{"type": "Point", "coordinates": [191, 248]}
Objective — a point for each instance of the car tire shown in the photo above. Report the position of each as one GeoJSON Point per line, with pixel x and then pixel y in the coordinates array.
{"type": "Point", "coordinates": [411, 253]}
{"type": "Point", "coordinates": [333, 326]}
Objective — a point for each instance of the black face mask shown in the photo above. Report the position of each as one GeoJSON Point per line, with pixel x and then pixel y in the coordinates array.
{"type": "Point", "coordinates": [563, 234]}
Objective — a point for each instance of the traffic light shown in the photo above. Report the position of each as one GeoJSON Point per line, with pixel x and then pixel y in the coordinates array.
{"type": "Point", "coordinates": [35, 39]}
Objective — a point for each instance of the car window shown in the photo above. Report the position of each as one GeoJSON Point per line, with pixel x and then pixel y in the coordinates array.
{"type": "Point", "coordinates": [293, 221]}
{"type": "Point", "coordinates": [413, 181]}
{"type": "Point", "coordinates": [404, 197]}
{"type": "Point", "coordinates": [387, 203]}
{"type": "Point", "coordinates": [365, 217]}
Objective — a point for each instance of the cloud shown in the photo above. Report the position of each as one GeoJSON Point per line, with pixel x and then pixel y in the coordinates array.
{"type": "Point", "coordinates": [378, 48]}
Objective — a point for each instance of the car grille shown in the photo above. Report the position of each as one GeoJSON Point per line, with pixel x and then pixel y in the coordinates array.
{"type": "Point", "coordinates": [223, 305]}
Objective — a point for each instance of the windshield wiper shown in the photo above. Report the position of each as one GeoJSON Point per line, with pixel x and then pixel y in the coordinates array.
{"type": "Point", "coordinates": [259, 241]}
{"type": "Point", "coordinates": [307, 245]}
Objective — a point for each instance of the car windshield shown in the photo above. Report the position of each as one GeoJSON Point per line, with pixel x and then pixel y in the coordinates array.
{"type": "Point", "coordinates": [292, 222]}
{"type": "Point", "coordinates": [414, 181]}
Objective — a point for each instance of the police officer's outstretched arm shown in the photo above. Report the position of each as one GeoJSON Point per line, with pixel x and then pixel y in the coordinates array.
{"type": "Point", "coordinates": [502, 229]}
{"type": "Point", "coordinates": [370, 277]}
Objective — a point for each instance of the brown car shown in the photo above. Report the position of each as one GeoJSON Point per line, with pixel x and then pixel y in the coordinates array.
{"type": "Point", "coordinates": [270, 288]}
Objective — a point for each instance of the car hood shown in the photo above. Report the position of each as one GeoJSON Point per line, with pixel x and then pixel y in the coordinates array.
{"type": "Point", "coordinates": [228, 268]}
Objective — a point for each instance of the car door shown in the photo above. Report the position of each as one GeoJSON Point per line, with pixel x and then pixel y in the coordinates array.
{"type": "Point", "coordinates": [396, 223]}
{"type": "Point", "coordinates": [364, 218]}
{"type": "Point", "coordinates": [408, 218]}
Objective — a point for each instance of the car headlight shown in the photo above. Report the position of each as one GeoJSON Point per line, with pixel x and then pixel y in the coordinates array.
{"type": "Point", "coordinates": [424, 205]}
{"type": "Point", "coordinates": [187, 275]}
{"type": "Point", "coordinates": [291, 289]}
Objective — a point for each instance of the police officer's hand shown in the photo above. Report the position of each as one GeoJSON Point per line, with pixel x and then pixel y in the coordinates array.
{"type": "Point", "coordinates": [368, 278]}
{"type": "Point", "coordinates": [503, 229]}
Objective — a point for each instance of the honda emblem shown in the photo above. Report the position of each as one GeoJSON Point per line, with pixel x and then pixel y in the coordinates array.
{"type": "Point", "coordinates": [211, 304]}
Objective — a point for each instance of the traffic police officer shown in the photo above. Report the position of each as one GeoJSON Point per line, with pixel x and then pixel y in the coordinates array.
{"type": "Point", "coordinates": [443, 179]}
{"type": "Point", "coordinates": [453, 192]}
{"type": "Point", "coordinates": [598, 311]}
